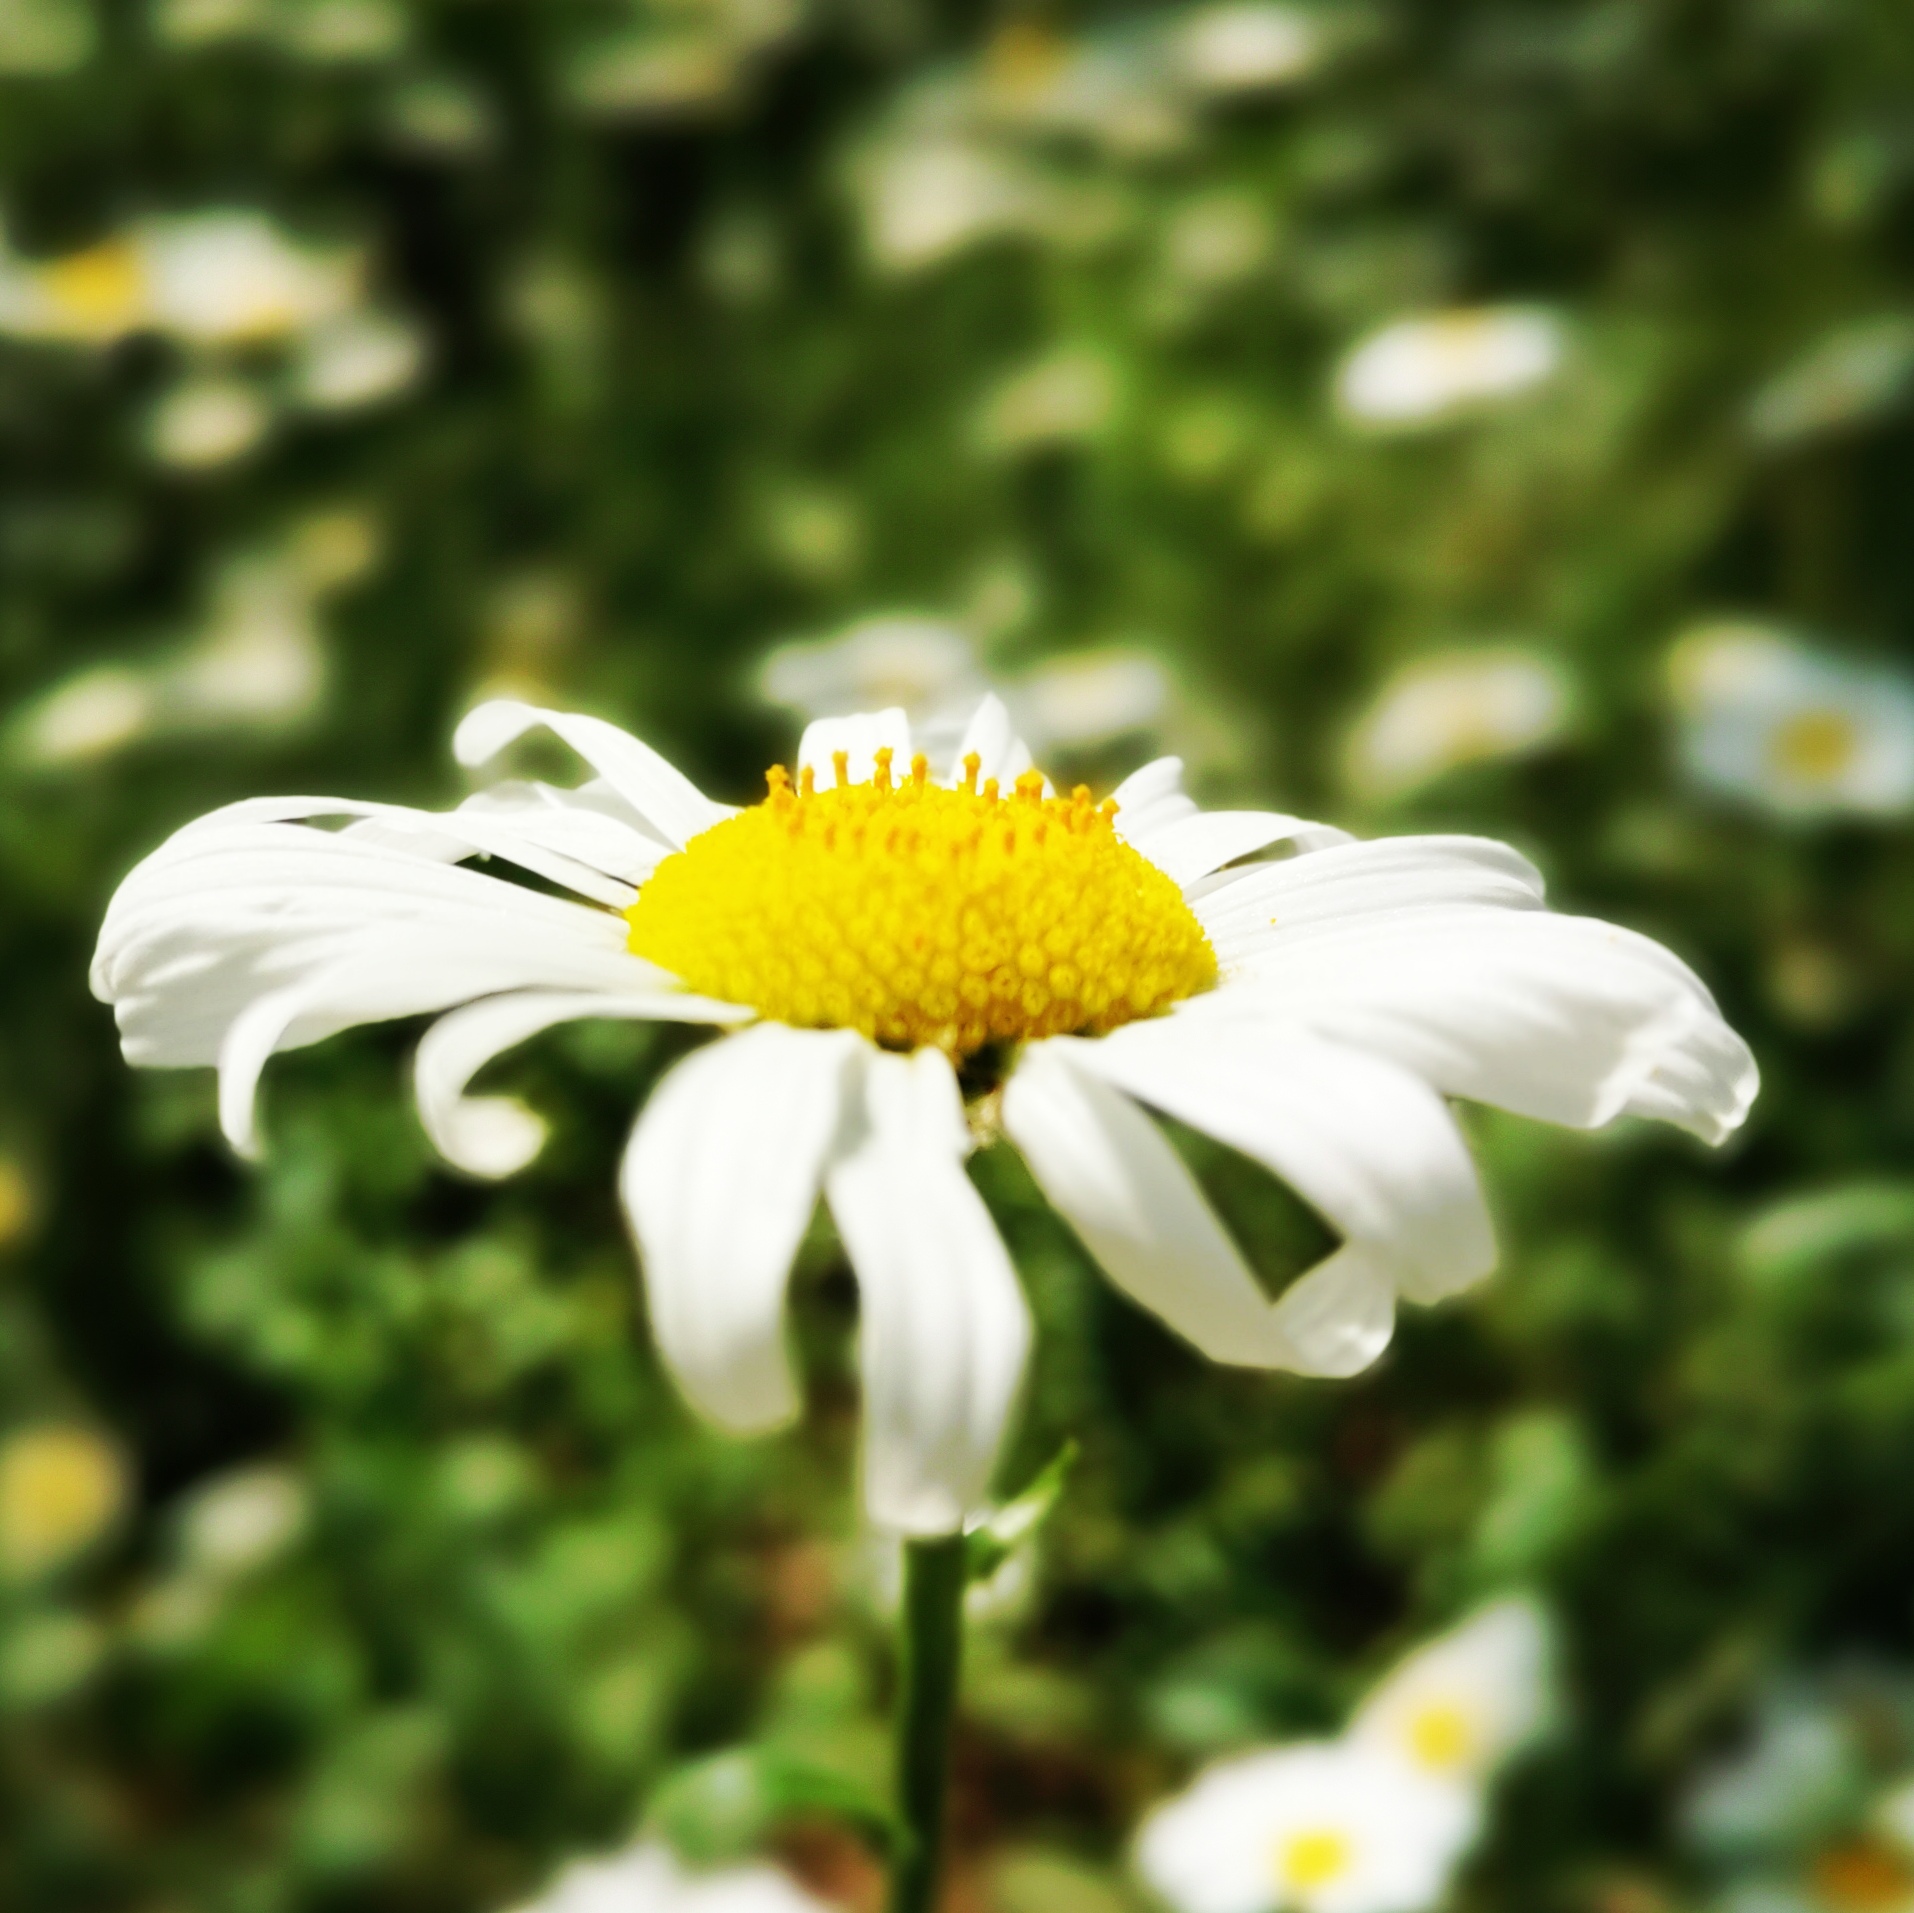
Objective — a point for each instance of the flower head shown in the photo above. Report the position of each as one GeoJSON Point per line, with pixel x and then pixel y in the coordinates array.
{"type": "Point", "coordinates": [865, 931]}
{"type": "Point", "coordinates": [1460, 1705]}
{"type": "Point", "coordinates": [1795, 730]}
{"type": "Point", "coordinates": [647, 1879]}
{"type": "Point", "coordinates": [1425, 371]}
{"type": "Point", "coordinates": [1320, 1827]}
{"type": "Point", "coordinates": [1462, 707]}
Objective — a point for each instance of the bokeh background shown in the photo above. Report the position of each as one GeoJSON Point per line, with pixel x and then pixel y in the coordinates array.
{"type": "Point", "coordinates": [1462, 414]}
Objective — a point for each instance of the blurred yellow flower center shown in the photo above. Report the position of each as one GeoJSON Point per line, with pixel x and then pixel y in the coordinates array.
{"type": "Point", "coordinates": [59, 1489]}
{"type": "Point", "coordinates": [1439, 1735]}
{"type": "Point", "coordinates": [924, 916]}
{"type": "Point", "coordinates": [1862, 1879]}
{"type": "Point", "coordinates": [1816, 745]}
{"type": "Point", "coordinates": [1312, 1859]}
{"type": "Point", "coordinates": [97, 288]}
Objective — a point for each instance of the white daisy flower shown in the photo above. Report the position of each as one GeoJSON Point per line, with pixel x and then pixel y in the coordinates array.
{"type": "Point", "coordinates": [1463, 707]}
{"type": "Point", "coordinates": [1320, 1827]}
{"type": "Point", "coordinates": [1460, 1705]}
{"type": "Point", "coordinates": [647, 1878]}
{"type": "Point", "coordinates": [222, 277]}
{"type": "Point", "coordinates": [1426, 370]}
{"type": "Point", "coordinates": [865, 937]}
{"type": "Point", "coordinates": [1799, 731]}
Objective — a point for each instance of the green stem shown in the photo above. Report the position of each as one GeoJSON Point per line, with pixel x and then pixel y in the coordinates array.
{"type": "Point", "coordinates": [934, 1578]}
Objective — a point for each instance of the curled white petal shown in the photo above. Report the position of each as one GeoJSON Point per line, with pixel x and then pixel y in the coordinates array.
{"type": "Point", "coordinates": [1368, 1145]}
{"type": "Point", "coordinates": [944, 1326]}
{"type": "Point", "coordinates": [719, 1183]}
{"type": "Point", "coordinates": [1113, 1176]}
{"type": "Point", "coordinates": [1192, 847]}
{"type": "Point", "coordinates": [1563, 1018]}
{"type": "Point", "coordinates": [496, 1135]}
{"type": "Point", "coordinates": [655, 788]}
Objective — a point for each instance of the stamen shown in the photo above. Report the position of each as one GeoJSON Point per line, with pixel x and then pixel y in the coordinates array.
{"type": "Point", "coordinates": [920, 770]}
{"type": "Point", "coordinates": [807, 782]}
{"type": "Point", "coordinates": [841, 765]}
{"type": "Point", "coordinates": [881, 778]}
{"type": "Point", "coordinates": [973, 768]}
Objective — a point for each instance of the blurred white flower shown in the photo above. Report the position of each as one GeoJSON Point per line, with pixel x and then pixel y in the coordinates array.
{"type": "Point", "coordinates": [1245, 46]}
{"type": "Point", "coordinates": [1320, 1827]}
{"type": "Point", "coordinates": [1216, 240]}
{"type": "Point", "coordinates": [89, 715]}
{"type": "Point", "coordinates": [924, 666]}
{"type": "Point", "coordinates": [334, 547]}
{"type": "Point", "coordinates": [243, 1519]}
{"type": "Point", "coordinates": [187, 23]}
{"type": "Point", "coordinates": [40, 38]}
{"type": "Point", "coordinates": [1856, 374]}
{"type": "Point", "coordinates": [929, 669]}
{"type": "Point", "coordinates": [442, 117]}
{"type": "Point", "coordinates": [1060, 400]}
{"type": "Point", "coordinates": [1423, 371]}
{"type": "Point", "coordinates": [214, 278]}
{"type": "Point", "coordinates": [1796, 730]}
{"type": "Point", "coordinates": [62, 1486]}
{"type": "Point", "coordinates": [1459, 1706]}
{"type": "Point", "coordinates": [1114, 90]}
{"type": "Point", "coordinates": [924, 201]}
{"type": "Point", "coordinates": [647, 1878]}
{"type": "Point", "coordinates": [1459, 708]}
{"type": "Point", "coordinates": [1894, 1815]}
{"type": "Point", "coordinates": [206, 421]}
{"type": "Point", "coordinates": [1089, 698]}
{"type": "Point", "coordinates": [258, 660]}
{"type": "Point", "coordinates": [357, 359]}
{"type": "Point", "coordinates": [231, 276]}
{"type": "Point", "coordinates": [340, 32]}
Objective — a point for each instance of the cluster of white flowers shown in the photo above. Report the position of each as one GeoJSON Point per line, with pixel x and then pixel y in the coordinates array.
{"type": "Point", "coordinates": [962, 158]}
{"type": "Point", "coordinates": [1423, 371]}
{"type": "Point", "coordinates": [1377, 1820]}
{"type": "Point", "coordinates": [225, 285]}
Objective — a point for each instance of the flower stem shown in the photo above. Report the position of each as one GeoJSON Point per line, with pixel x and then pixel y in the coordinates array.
{"type": "Point", "coordinates": [934, 1578]}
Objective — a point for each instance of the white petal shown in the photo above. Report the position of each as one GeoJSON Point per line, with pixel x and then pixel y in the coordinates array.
{"type": "Point", "coordinates": [1150, 800]}
{"type": "Point", "coordinates": [1001, 753]}
{"type": "Point", "coordinates": [1563, 1018]}
{"type": "Point", "coordinates": [1194, 846]}
{"type": "Point", "coordinates": [1339, 1315]}
{"type": "Point", "coordinates": [657, 790]}
{"type": "Point", "coordinates": [860, 738]}
{"type": "Point", "coordinates": [1113, 1176]}
{"type": "Point", "coordinates": [1368, 1145]}
{"type": "Point", "coordinates": [944, 1327]}
{"type": "Point", "coordinates": [719, 1182]}
{"type": "Point", "coordinates": [234, 939]}
{"type": "Point", "coordinates": [496, 1135]}
{"type": "Point", "coordinates": [1331, 887]}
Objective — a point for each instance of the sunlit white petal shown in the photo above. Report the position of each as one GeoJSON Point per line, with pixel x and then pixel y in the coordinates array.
{"type": "Point", "coordinates": [720, 1183]}
{"type": "Point", "coordinates": [860, 738]}
{"type": "Point", "coordinates": [944, 1326]}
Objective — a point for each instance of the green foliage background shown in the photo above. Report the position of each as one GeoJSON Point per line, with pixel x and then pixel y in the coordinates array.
{"type": "Point", "coordinates": [672, 403]}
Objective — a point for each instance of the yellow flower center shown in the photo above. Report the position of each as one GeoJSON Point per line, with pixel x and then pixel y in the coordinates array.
{"type": "Point", "coordinates": [1313, 1858]}
{"type": "Point", "coordinates": [1816, 746]}
{"type": "Point", "coordinates": [98, 290]}
{"type": "Point", "coordinates": [1439, 1736]}
{"type": "Point", "coordinates": [924, 916]}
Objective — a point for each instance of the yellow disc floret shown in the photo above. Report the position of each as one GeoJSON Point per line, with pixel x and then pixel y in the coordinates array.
{"type": "Point", "coordinates": [922, 915]}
